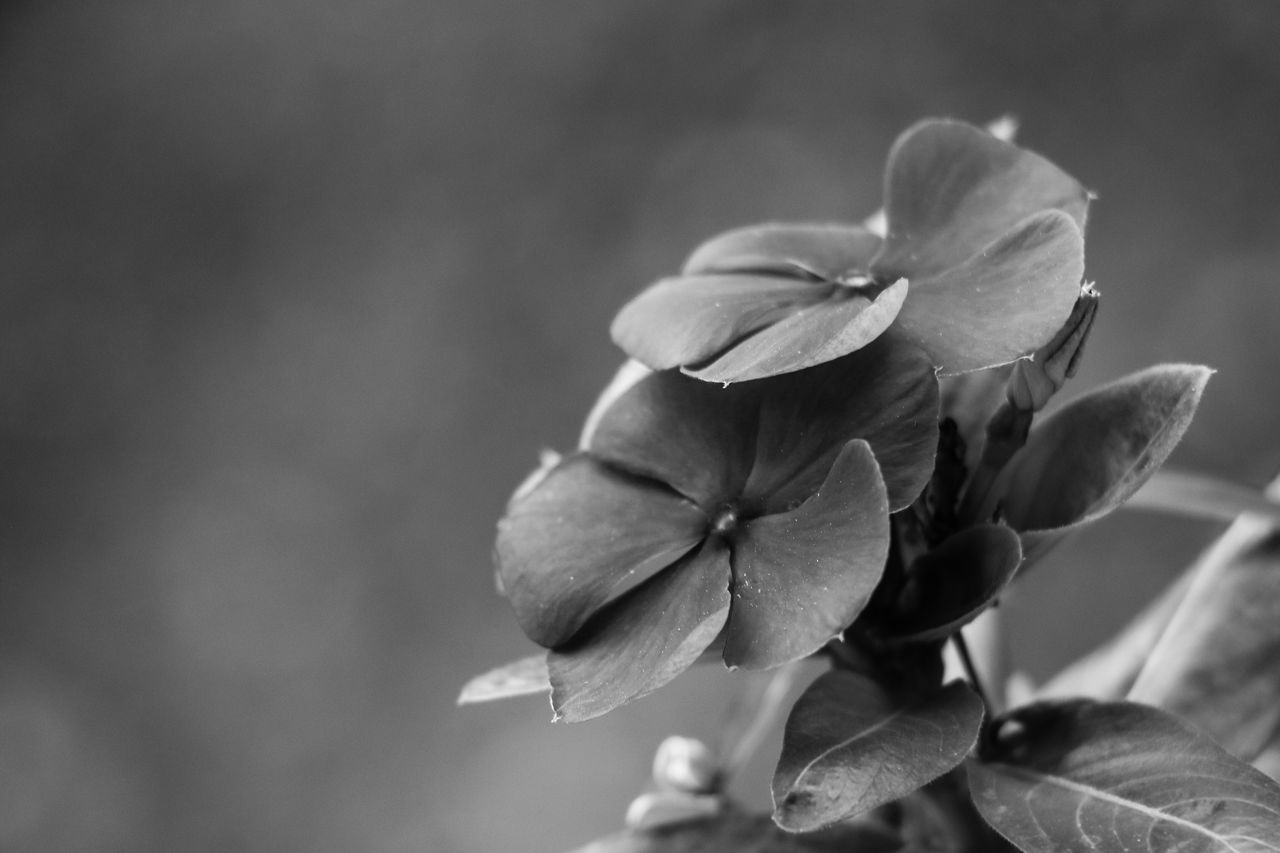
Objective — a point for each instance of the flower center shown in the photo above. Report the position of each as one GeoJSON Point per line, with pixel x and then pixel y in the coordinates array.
{"type": "Point", "coordinates": [725, 520]}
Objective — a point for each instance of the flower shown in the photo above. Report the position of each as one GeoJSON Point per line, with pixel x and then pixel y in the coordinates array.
{"type": "Point", "coordinates": [756, 513]}
{"type": "Point", "coordinates": [981, 264]}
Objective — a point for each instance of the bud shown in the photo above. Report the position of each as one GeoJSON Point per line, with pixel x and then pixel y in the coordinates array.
{"type": "Point", "coordinates": [686, 765]}
{"type": "Point", "coordinates": [666, 808]}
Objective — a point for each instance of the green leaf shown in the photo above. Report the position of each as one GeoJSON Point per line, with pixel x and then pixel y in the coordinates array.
{"type": "Point", "coordinates": [802, 577]}
{"type": "Point", "coordinates": [644, 639]}
{"type": "Point", "coordinates": [1217, 663]}
{"type": "Point", "coordinates": [737, 832]}
{"type": "Point", "coordinates": [1119, 778]}
{"type": "Point", "coordinates": [951, 585]}
{"type": "Point", "coordinates": [518, 678]}
{"type": "Point", "coordinates": [1087, 458]}
{"type": "Point", "coordinates": [850, 745]}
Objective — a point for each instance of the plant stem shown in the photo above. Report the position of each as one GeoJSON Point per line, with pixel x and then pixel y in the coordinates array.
{"type": "Point", "coordinates": [764, 713]}
{"type": "Point", "coordinates": [971, 672]}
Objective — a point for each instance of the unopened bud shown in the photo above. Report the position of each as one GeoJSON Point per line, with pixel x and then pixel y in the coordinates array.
{"type": "Point", "coordinates": [1037, 379]}
{"type": "Point", "coordinates": [666, 808]}
{"type": "Point", "coordinates": [687, 765]}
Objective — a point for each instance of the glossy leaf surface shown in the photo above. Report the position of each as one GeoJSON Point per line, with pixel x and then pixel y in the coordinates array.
{"type": "Point", "coordinates": [850, 746]}
{"type": "Point", "coordinates": [1112, 777]}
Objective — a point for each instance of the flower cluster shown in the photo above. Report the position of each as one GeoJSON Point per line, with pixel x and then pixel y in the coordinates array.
{"type": "Point", "coordinates": [789, 467]}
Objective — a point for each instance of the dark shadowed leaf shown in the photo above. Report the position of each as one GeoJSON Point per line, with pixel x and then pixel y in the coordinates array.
{"type": "Point", "coordinates": [737, 832]}
{"type": "Point", "coordinates": [1217, 662]}
{"type": "Point", "coordinates": [687, 320]}
{"type": "Point", "coordinates": [801, 577]}
{"type": "Point", "coordinates": [518, 678]}
{"type": "Point", "coordinates": [850, 746]}
{"type": "Point", "coordinates": [827, 251]}
{"type": "Point", "coordinates": [770, 444]}
{"type": "Point", "coordinates": [583, 536]}
{"type": "Point", "coordinates": [949, 586]}
{"type": "Point", "coordinates": [1004, 302]}
{"type": "Point", "coordinates": [846, 321]}
{"type": "Point", "coordinates": [951, 188]}
{"type": "Point", "coordinates": [1120, 777]}
{"type": "Point", "coordinates": [644, 639]}
{"type": "Point", "coordinates": [1095, 452]}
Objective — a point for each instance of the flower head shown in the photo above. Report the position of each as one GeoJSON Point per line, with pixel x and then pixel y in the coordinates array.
{"type": "Point", "coordinates": [981, 264]}
{"type": "Point", "coordinates": [757, 514]}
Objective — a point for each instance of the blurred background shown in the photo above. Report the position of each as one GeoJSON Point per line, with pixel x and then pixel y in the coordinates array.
{"type": "Point", "coordinates": [294, 292]}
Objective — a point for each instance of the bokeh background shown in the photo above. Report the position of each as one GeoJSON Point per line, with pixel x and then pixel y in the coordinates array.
{"type": "Point", "coordinates": [293, 293]}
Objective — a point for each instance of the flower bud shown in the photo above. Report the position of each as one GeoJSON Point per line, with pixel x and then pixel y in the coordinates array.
{"type": "Point", "coordinates": [1037, 379]}
{"type": "Point", "coordinates": [666, 808]}
{"type": "Point", "coordinates": [686, 765]}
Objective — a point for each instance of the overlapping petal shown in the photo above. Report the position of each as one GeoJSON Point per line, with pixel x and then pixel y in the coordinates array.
{"type": "Point", "coordinates": [585, 535]}
{"type": "Point", "coordinates": [769, 445]}
{"type": "Point", "coordinates": [987, 236]}
{"type": "Point", "coordinates": [644, 639]}
{"type": "Point", "coordinates": [799, 578]}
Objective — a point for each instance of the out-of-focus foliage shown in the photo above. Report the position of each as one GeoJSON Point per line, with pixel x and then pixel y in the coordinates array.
{"type": "Point", "coordinates": [289, 289]}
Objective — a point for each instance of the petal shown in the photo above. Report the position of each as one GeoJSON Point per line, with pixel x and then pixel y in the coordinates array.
{"type": "Point", "coordinates": [689, 319]}
{"type": "Point", "coordinates": [1002, 303]}
{"type": "Point", "coordinates": [801, 578]}
{"type": "Point", "coordinates": [643, 640]}
{"type": "Point", "coordinates": [951, 188]}
{"type": "Point", "coordinates": [842, 324]}
{"type": "Point", "coordinates": [584, 536]}
{"type": "Point", "coordinates": [769, 444]}
{"type": "Point", "coordinates": [886, 394]}
{"type": "Point", "coordinates": [821, 251]}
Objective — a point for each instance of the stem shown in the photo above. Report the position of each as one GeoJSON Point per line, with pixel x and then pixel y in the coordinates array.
{"type": "Point", "coordinates": [971, 672]}
{"type": "Point", "coordinates": [764, 714]}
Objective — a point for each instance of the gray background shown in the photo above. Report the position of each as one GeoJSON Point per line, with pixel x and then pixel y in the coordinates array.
{"type": "Point", "coordinates": [294, 292]}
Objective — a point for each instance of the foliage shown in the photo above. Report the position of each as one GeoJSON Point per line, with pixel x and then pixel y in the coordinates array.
{"type": "Point", "coordinates": [826, 446]}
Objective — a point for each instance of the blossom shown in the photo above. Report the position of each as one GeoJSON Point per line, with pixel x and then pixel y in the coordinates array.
{"type": "Point", "coordinates": [756, 514]}
{"type": "Point", "coordinates": [981, 264]}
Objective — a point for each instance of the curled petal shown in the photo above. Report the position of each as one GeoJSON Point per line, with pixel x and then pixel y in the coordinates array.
{"type": "Point", "coordinates": [644, 639]}
{"type": "Point", "coordinates": [844, 323]}
{"type": "Point", "coordinates": [585, 535]}
{"type": "Point", "coordinates": [800, 578]}
{"type": "Point", "coordinates": [689, 319]}
{"type": "Point", "coordinates": [819, 251]}
{"type": "Point", "coordinates": [1003, 302]}
{"type": "Point", "coordinates": [951, 188]}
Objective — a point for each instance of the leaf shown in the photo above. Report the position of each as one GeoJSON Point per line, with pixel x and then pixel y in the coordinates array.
{"type": "Point", "coordinates": [802, 577]}
{"type": "Point", "coordinates": [518, 678]}
{"type": "Point", "coordinates": [1004, 302]}
{"type": "Point", "coordinates": [1199, 495]}
{"type": "Point", "coordinates": [734, 831]}
{"type": "Point", "coordinates": [622, 530]}
{"type": "Point", "coordinates": [1087, 458]}
{"type": "Point", "coordinates": [644, 639]}
{"type": "Point", "coordinates": [1217, 662]}
{"type": "Point", "coordinates": [949, 586]}
{"type": "Point", "coordinates": [1117, 776]}
{"type": "Point", "coordinates": [850, 746]}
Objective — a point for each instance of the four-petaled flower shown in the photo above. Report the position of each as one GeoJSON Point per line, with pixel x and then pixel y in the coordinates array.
{"type": "Point", "coordinates": [981, 264]}
{"type": "Point", "coordinates": [758, 514]}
